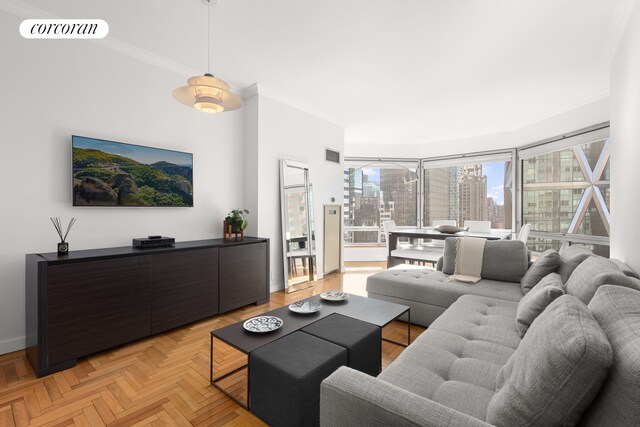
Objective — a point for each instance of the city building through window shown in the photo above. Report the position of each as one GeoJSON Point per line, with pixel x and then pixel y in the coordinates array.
{"type": "Point", "coordinates": [477, 188]}
{"type": "Point", "coordinates": [564, 192]}
{"type": "Point", "coordinates": [469, 189]}
{"type": "Point", "coordinates": [375, 192]}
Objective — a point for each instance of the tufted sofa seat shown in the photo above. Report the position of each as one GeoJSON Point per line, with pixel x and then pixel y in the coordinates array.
{"type": "Point", "coordinates": [429, 294]}
{"type": "Point", "coordinates": [577, 364]}
{"type": "Point", "coordinates": [457, 362]}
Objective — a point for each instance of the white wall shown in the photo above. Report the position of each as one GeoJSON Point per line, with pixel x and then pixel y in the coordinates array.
{"type": "Point", "coordinates": [52, 89]}
{"type": "Point", "coordinates": [288, 133]}
{"type": "Point", "coordinates": [625, 134]}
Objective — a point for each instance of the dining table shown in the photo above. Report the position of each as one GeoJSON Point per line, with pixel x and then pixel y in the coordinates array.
{"type": "Point", "coordinates": [433, 234]}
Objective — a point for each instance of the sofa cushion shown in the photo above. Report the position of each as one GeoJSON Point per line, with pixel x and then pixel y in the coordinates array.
{"type": "Point", "coordinates": [617, 310]}
{"type": "Point", "coordinates": [456, 360]}
{"type": "Point", "coordinates": [534, 303]}
{"type": "Point", "coordinates": [556, 371]}
{"type": "Point", "coordinates": [546, 263]}
{"type": "Point", "coordinates": [431, 287]}
{"type": "Point", "coordinates": [570, 258]}
{"type": "Point", "coordinates": [592, 273]}
{"type": "Point", "coordinates": [503, 260]}
{"type": "Point", "coordinates": [625, 268]}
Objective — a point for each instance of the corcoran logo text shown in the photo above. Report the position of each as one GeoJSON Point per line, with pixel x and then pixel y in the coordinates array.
{"type": "Point", "coordinates": [64, 29]}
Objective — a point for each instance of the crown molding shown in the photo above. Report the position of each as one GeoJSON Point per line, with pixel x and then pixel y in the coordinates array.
{"type": "Point", "coordinates": [250, 91]}
{"type": "Point", "coordinates": [619, 21]}
{"type": "Point", "coordinates": [262, 90]}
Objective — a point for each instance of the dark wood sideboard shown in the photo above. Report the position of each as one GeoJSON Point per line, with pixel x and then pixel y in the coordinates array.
{"type": "Point", "coordinates": [92, 300]}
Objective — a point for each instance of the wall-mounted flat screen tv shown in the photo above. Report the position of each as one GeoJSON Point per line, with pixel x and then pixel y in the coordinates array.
{"type": "Point", "coordinates": [107, 173]}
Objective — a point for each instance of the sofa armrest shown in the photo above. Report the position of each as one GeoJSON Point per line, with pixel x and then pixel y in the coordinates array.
{"type": "Point", "coordinates": [351, 398]}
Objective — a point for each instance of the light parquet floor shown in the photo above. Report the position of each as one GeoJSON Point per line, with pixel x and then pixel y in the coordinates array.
{"type": "Point", "coordinates": [159, 381]}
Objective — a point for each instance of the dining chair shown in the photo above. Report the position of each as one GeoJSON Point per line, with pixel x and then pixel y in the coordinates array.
{"type": "Point", "coordinates": [523, 235]}
{"type": "Point", "coordinates": [478, 226]}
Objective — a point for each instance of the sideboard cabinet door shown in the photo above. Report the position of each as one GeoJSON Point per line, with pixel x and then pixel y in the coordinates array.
{"type": "Point", "coordinates": [95, 305]}
{"type": "Point", "coordinates": [184, 288]}
{"type": "Point", "coordinates": [243, 275]}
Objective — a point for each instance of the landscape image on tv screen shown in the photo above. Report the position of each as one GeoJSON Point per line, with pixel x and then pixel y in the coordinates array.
{"type": "Point", "coordinates": [107, 173]}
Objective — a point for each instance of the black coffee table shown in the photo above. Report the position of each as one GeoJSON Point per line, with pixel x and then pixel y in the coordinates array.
{"type": "Point", "coordinates": [234, 338]}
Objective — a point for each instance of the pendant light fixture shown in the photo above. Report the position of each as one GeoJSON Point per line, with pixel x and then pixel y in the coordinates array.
{"type": "Point", "coordinates": [208, 93]}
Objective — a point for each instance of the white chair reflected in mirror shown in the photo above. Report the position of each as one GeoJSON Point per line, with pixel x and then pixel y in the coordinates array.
{"type": "Point", "coordinates": [297, 251]}
{"type": "Point", "coordinates": [410, 253]}
{"type": "Point", "coordinates": [523, 235]}
{"type": "Point", "coordinates": [478, 226]}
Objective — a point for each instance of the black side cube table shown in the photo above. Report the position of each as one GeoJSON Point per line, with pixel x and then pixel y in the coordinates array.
{"type": "Point", "coordinates": [362, 340]}
{"type": "Point", "coordinates": [285, 378]}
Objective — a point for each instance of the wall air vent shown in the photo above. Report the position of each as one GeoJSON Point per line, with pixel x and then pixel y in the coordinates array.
{"type": "Point", "coordinates": [332, 156]}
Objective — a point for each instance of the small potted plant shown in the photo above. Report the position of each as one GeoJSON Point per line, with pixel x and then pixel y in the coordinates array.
{"type": "Point", "coordinates": [236, 220]}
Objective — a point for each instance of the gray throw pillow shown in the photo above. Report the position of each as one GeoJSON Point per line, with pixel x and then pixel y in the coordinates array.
{"type": "Point", "coordinates": [545, 264]}
{"type": "Point", "coordinates": [534, 303]}
{"type": "Point", "coordinates": [449, 255]}
{"type": "Point", "coordinates": [503, 260]}
{"type": "Point", "coordinates": [570, 258]}
{"type": "Point", "coordinates": [555, 372]}
{"type": "Point", "coordinates": [450, 229]}
{"type": "Point", "coordinates": [594, 272]}
{"type": "Point", "coordinates": [618, 402]}
{"type": "Point", "coordinates": [625, 268]}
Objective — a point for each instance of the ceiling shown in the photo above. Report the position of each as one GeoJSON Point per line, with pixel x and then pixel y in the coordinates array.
{"type": "Point", "coordinates": [403, 71]}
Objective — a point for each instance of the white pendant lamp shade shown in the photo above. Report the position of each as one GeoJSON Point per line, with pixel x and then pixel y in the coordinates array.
{"type": "Point", "coordinates": [207, 94]}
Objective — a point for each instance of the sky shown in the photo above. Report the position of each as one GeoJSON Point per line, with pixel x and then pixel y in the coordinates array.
{"type": "Point", "coordinates": [495, 180]}
{"type": "Point", "coordinates": [145, 155]}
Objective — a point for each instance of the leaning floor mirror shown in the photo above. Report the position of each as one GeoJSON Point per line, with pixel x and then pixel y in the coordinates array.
{"type": "Point", "coordinates": [298, 236]}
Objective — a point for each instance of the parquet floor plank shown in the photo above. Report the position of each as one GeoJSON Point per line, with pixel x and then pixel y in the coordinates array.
{"type": "Point", "coordinates": [114, 405]}
{"type": "Point", "coordinates": [6, 417]}
{"type": "Point", "coordinates": [177, 418]}
{"type": "Point", "coordinates": [103, 410]}
{"type": "Point", "coordinates": [157, 381]}
{"type": "Point", "coordinates": [20, 413]}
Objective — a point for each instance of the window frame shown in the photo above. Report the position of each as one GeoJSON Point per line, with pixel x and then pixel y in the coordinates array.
{"type": "Point", "coordinates": [562, 142]}
{"type": "Point", "coordinates": [491, 156]}
{"type": "Point", "coordinates": [377, 162]}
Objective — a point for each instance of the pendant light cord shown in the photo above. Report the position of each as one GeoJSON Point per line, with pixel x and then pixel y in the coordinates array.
{"type": "Point", "coordinates": [208, 36]}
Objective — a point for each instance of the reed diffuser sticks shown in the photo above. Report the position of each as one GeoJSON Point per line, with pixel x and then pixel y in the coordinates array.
{"type": "Point", "coordinates": [58, 226]}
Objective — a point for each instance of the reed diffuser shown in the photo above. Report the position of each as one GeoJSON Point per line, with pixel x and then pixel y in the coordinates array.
{"type": "Point", "coordinates": [63, 246]}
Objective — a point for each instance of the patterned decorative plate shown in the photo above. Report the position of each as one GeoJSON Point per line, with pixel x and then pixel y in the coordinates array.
{"type": "Point", "coordinates": [263, 324]}
{"type": "Point", "coordinates": [305, 307]}
{"type": "Point", "coordinates": [334, 296]}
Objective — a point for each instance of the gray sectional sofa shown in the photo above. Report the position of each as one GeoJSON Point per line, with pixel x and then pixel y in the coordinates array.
{"type": "Point", "coordinates": [429, 294]}
{"type": "Point", "coordinates": [578, 362]}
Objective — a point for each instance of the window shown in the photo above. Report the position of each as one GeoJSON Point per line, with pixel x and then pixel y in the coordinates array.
{"type": "Point", "coordinates": [566, 192]}
{"type": "Point", "coordinates": [375, 192]}
{"type": "Point", "coordinates": [477, 188]}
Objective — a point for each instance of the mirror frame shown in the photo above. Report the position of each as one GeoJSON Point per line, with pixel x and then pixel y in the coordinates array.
{"type": "Point", "coordinates": [285, 163]}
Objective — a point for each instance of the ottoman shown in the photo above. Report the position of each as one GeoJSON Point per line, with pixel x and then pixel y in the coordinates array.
{"type": "Point", "coordinates": [285, 377]}
{"type": "Point", "coordinates": [361, 339]}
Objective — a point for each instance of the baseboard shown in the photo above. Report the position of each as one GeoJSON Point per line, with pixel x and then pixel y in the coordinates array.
{"type": "Point", "coordinates": [15, 344]}
{"type": "Point", "coordinates": [275, 287]}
